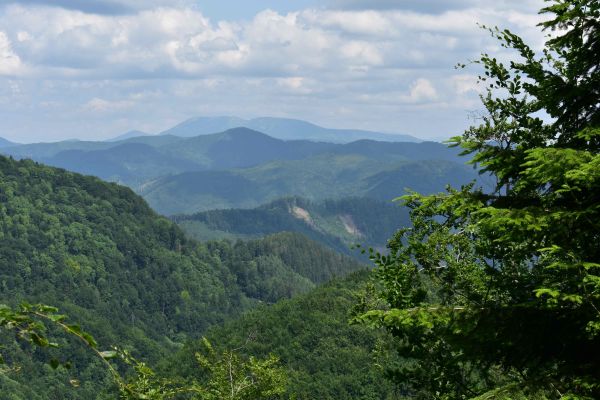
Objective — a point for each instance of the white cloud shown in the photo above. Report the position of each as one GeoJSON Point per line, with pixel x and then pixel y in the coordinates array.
{"type": "Point", "coordinates": [422, 90]}
{"type": "Point", "coordinates": [362, 53]}
{"type": "Point", "coordinates": [10, 63]}
{"type": "Point", "coordinates": [102, 7]}
{"type": "Point", "coordinates": [433, 6]}
{"type": "Point", "coordinates": [103, 106]}
{"type": "Point", "coordinates": [465, 83]}
{"type": "Point", "coordinates": [161, 62]}
{"type": "Point", "coordinates": [23, 36]}
{"type": "Point", "coordinates": [352, 22]}
{"type": "Point", "coordinates": [182, 43]}
{"type": "Point", "coordinates": [296, 85]}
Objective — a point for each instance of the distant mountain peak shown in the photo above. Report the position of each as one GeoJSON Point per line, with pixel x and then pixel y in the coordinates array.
{"type": "Point", "coordinates": [221, 118]}
{"type": "Point", "coordinates": [281, 128]}
{"type": "Point", "coordinates": [128, 135]}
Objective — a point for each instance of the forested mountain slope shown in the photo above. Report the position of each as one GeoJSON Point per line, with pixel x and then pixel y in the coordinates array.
{"type": "Point", "coordinates": [324, 176]}
{"type": "Point", "coordinates": [130, 277]}
{"type": "Point", "coordinates": [243, 168]}
{"type": "Point", "coordinates": [338, 224]}
{"type": "Point", "coordinates": [132, 163]}
{"type": "Point", "coordinates": [133, 160]}
{"type": "Point", "coordinates": [326, 358]}
{"type": "Point", "coordinates": [241, 147]}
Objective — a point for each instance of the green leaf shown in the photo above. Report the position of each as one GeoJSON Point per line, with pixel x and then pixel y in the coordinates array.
{"type": "Point", "coordinates": [38, 340]}
{"type": "Point", "coordinates": [108, 354]}
{"type": "Point", "coordinates": [54, 363]}
{"type": "Point", "coordinates": [546, 291]}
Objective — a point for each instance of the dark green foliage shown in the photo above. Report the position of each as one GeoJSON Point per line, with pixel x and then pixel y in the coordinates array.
{"type": "Point", "coordinates": [129, 276]}
{"type": "Point", "coordinates": [80, 243]}
{"type": "Point", "coordinates": [325, 358]}
{"type": "Point", "coordinates": [222, 375]}
{"type": "Point", "coordinates": [280, 265]}
{"type": "Point", "coordinates": [305, 257]}
{"type": "Point", "coordinates": [497, 293]}
{"type": "Point", "coordinates": [338, 224]}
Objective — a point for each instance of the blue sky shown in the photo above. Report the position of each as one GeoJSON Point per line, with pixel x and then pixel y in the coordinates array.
{"type": "Point", "coordinates": [223, 10]}
{"type": "Point", "coordinates": [93, 69]}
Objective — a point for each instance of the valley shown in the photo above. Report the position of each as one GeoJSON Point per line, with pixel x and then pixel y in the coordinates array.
{"type": "Point", "coordinates": [254, 221]}
{"type": "Point", "coordinates": [171, 230]}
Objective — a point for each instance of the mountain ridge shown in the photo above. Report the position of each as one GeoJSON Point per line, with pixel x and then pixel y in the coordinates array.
{"type": "Point", "coordinates": [6, 143]}
{"type": "Point", "coordinates": [128, 135]}
{"type": "Point", "coordinates": [338, 224]}
{"type": "Point", "coordinates": [320, 177]}
{"type": "Point", "coordinates": [281, 128]}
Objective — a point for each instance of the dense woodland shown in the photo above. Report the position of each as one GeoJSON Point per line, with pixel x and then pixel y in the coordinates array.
{"type": "Point", "coordinates": [487, 292]}
{"type": "Point", "coordinates": [340, 224]}
{"type": "Point", "coordinates": [326, 357]}
{"type": "Point", "coordinates": [131, 277]}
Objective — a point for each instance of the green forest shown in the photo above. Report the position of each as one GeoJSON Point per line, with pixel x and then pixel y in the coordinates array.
{"type": "Point", "coordinates": [339, 224]}
{"type": "Point", "coordinates": [96, 251]}
{"type": "Point", "coordinates": [472, 291]}
{"type": "Point", "coordinates": [242, 168]}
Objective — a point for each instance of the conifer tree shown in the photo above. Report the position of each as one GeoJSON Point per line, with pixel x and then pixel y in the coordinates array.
{"type": "Point", "coordinates": [497, 293]}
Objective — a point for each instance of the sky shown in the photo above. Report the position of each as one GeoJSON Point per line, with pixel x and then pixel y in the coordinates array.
{"type": "Point", "coordinates": [94, 69]}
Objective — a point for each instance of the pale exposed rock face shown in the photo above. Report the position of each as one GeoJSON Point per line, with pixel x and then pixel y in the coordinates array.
{"type": "Point", "coordinates": [350, 226]}
{"type": "Point", "coordinates": [302, 214]}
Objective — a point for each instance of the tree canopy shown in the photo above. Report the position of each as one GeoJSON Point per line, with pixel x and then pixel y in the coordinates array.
{"type": "Point", "coordinates": [497, 293]}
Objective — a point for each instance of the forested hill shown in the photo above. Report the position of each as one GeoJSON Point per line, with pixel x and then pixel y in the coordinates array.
{"type": "Point", "coordinates": [135, 160]}
{"type": "Point", "coordinates": [321, 177]}
{"type": "Point", "coordinates": [130, 277]}
{"type": "Point", "coordinates": [339, 224]}
{"type": "Point", "coordinates": [243, 168]}
{"type": "Point", "coordinates": [325, 356]}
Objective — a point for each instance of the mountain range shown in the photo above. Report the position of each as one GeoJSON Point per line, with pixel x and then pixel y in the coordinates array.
{"type": "Point", "coordinates": [128, 135]}
{"type": "Point", "coordinates": [244, 168]}
{"type": "Point", "coordinates": [133, 278]}
{"type": "Point", "coordinates": [324, 176]}
{"type": "Point", "coordinates": [281, 128]}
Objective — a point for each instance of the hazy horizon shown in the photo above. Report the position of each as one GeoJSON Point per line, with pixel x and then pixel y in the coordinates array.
{"type": "Point", "coordinates": [92, 70]}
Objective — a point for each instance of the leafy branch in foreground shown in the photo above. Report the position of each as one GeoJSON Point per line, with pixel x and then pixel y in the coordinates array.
{"type": "Point", "coordinates": [497, 293]}
{"type": "Point", "coordinates": [227, 375]}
